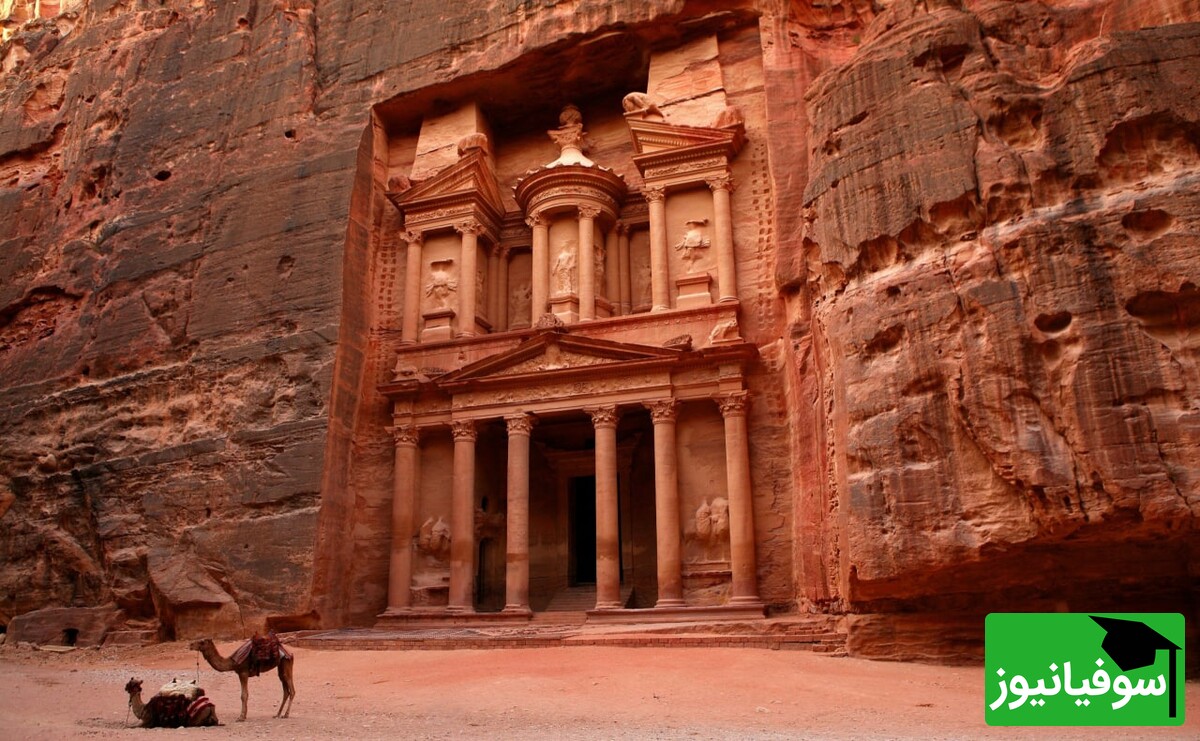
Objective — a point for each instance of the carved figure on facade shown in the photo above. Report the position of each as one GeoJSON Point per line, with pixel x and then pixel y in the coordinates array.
{"type": "Point", "coordinates": [398, 183]}
{"type": "Point", "coordinates": [692, 242]}
{"type": "Point", "coordinates": [729, 117]}
{"type": "Point", "coordinates": [518, 302]}
{"type": "Point", "coordinates": [599, 260]}
{"type": "Point", "coordinates": [726, 331]}
{"type": "Point", "coordinates": [472, 141]}
{"type": "Point", "coordinates": [642, 104]}
{"type": "Point", "coordinates": [711, 534]}
{"type": "Point", "coordinates": [442, 285]}
{"type": "Point", "coordinates": [564, 268]}
{"type": "Point", "coordinates": [479, 286]}
{"type": "Point", "coordinates": [433, 539]}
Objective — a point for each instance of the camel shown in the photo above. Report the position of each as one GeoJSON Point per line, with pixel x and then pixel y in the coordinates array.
{"type": "Point", "coordinates": [171, 710]}
{"type": "Point", "coordinates": [254, 657]}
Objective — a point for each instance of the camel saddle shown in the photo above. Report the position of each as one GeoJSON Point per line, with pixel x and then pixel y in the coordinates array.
{"type": "Point", "coordinates": [260, 654]}
{"type": "Point", "coordinates": [168, 711]}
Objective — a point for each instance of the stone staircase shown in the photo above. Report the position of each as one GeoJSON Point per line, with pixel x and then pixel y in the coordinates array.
{"type": "Point", "coordinates": [582, 598]}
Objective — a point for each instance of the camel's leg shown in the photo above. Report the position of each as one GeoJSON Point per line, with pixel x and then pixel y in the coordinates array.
{"type": "Point", "coordinates": [289, 689]}
{"type": "Point", "coordinates": [245, 680]}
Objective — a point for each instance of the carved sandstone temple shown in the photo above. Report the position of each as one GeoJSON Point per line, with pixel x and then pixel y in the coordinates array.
{"type": "Point", "coordinates": [563, 358]}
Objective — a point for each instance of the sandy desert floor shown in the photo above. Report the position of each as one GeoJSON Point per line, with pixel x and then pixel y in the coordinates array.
{"type": "Point", "coordinates": [543, 693]}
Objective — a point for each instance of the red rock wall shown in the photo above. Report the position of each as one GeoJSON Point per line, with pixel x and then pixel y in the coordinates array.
{"type": "Point", "coordinates": [984, 222]}
{"type": "Point", "coordinates": [995, 298]}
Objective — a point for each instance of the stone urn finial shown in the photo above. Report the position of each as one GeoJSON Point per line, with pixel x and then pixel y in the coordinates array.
{"type": "Point", "coordinates": [569, 136]}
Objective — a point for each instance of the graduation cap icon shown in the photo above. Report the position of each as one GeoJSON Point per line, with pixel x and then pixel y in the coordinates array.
{"type": "Point", "coordinates": [1134, 645]}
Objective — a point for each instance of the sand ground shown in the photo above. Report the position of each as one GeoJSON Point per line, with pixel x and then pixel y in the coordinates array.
{"type": "Point", "coordinates": [543, 693]}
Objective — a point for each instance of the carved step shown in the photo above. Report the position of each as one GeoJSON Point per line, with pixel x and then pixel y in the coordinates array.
{"type": "Point", "coordinates": [582, 598]}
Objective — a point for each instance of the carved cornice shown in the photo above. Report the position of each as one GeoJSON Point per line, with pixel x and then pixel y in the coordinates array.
{"type": "Point", "coordinates": [519, 424]}
{"type": "Point", "coordinates": [603, 416]}
{"type": "Point", "coordinates": [662, 410]}
{"type": "Point", "coordinates": [464, 429]}
{"type": "Point", "coordinates": [733, 405]}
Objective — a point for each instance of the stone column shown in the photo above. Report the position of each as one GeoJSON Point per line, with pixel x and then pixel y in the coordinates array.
{"type": "Point", "coordinates": [666, 504]}
{"type": "Point", "coordinates": [741, 503]}
{"type": "Point", "coordinates": [587, 262]}
{"type": "Point", "coordinates": [404, 498]}
{"type": "Point", "coordinates": [412, 287]}
{"type": "Point", "coordinates": [462, 518]}
{"type": "Point", "coordinates": [493, 289]}
{"type": "Point", "coordinates": [502, 290]}
{"type": "Point", "coordinates": [612, 271]}
{"type": "Point", "coordinates": [539, 291]}
{"type": "Point", "coordinates": [608, 538]}
{"type": "Point", "coordinates": [660, 288]}
{"type": "Point", "coordinates": [625, 285]}
{"type": "Point", "coordinates": [723, 238]}
{"type": "Point", "coordinates": [516, 580]}
{"type": "Point", "coordinates": [466, 276]}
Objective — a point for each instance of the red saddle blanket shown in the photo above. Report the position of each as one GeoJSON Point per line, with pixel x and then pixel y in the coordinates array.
{"type": "Point", "coordinates": [260, 654]}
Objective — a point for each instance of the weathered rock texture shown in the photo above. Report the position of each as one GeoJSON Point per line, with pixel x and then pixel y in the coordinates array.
{"type": "Point", "coordinates": [985, 216]}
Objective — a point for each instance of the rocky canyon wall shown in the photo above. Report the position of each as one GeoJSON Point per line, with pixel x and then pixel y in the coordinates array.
{"type": "Point", "coordinates": [986, 217]}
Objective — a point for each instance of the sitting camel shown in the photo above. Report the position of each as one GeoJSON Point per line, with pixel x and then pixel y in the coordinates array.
{"type": "Point", "coordinates": [171, 710]}
{"type": "Point", "coordinates": [252, 658]}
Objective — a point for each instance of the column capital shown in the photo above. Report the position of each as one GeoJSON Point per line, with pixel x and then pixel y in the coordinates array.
{"type": "Point", "coordinates": [622, 228]}
{"type": "Point", "coordinates": [405, 435]}
{"type": "Point", "coordinates": [733, 405]}
{"type": "Point", "coordinates": [536, 219]}
{"type": "Point", "coordinates": [654, 193]}
{"type": "Point", "coordinates": [662, 410]}
{"type": "Point", "coordinates": [589, 212]}
{"type": "Point", "coordinates": [464, 429]}
{"type": "Point", "coordinates": [411, 237]}
{"type": "Point", "coordinates": [603, 416]}
{"type": "Point", "coordinates": [520, 424]}
{"type": "Point", "coordinates": [468, 226]}
{"type": "Point", "coordinates": [721, 182]}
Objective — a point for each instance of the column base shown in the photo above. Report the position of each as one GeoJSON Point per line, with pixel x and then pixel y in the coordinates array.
{"type": "Point", "coordinates": [606, 606]}
{"type": "Point", "coordinates": [517, 610]}
{"type": "Point", "coordinates": [727, 300]}
{"type": "Point", "coordinates": [459, 610]}
{"type": "Point", "coordinates": [669, 602]}
{"type": "Point", "coordinates": [746, 601]}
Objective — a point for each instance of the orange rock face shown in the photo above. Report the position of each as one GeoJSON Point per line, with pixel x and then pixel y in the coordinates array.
{"type": "Point", "coordinates": [977, 219]}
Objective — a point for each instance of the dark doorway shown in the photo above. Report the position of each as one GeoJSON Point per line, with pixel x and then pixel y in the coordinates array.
{"type": "Point", "coordinates": [582, 494]}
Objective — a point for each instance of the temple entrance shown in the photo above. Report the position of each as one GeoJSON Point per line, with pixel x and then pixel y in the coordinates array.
{"type": "Point", "coordinates": [582, 514]}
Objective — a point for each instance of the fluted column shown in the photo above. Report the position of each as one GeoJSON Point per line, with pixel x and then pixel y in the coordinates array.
{"type": "Point", "coordinates": [462, 518]}
{"type": "Point", "coordinates": [666, 504]}
{"type": "Point", "coordinates": [516, 592]}
{"type": "Point", "coordinates": [741, 504]}
{"type": "Point", "coordinates": [723, 238]}
{"type": "Point", "coordinates": [502, 289]}
{"type": "Point", "coordinates": [587, 262]}
{"type": "Point", "coordinates": [412, 287]}
{"type": "Point", "coordinates": [625, 281]}
{"type": "Point", "coordinates": [612, 271]}
{"type": "Point", "coordinates": [404, 497]}
{"type": "Point", "coordinates": [608, 555]}
{"type": "Point", "coordinates": [468, 260]}
{"type": "Point", "coordinates": [660, 287]}
{"type": "Point", "coordinates": [539, 291]}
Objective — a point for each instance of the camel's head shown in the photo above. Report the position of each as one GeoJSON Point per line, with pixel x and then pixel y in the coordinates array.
{"type": "Point", "coordinates": [134, 686]}
{"type": "Point", "coordinates": [201, 644]}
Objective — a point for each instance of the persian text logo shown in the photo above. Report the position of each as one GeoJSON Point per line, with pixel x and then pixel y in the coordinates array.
{"type": "Point", "coordinates": [1083, 669]}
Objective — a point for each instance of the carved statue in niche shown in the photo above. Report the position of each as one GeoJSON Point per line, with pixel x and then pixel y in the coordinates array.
{"type": "Point", "coordinates": [518, 303]}
{"type": "Point", "coordinates": [598, 260]}
{"type": "Point", "coordinates": [434, 538]}
{"type": "Point", "coordinates": [442, 284]}
{"type": "Point", "coordinates": [479, 294]}
{"type": "Point", "coordinates": [564, 268]}
{"type": "Point", "coordinates": [693, 240]}
{"type": "Point", "coordinates": [712, 526]}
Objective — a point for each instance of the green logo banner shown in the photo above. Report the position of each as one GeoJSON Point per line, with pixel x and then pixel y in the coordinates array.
{"type": "Point", "coordinates": [1083, 669]}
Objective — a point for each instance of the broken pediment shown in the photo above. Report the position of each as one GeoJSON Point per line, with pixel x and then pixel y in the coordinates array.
{"type": "Point", "coordinates": [466, 188]}
{"type": "Point", "coordinates": [669, 154]}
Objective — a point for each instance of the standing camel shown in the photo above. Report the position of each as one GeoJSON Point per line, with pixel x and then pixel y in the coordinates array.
{"type": "Point", "coordinates": [171, 710]}
{"type": "Point", "coordinates": [252, 658]}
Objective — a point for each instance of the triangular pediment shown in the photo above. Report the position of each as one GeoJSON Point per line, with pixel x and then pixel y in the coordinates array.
{"type": "Point", "coordinates": [471, 178]}
{"type": "Point", "coordinates": [653, 137]}
{"type": "Point", "coordinates": [556, 352]}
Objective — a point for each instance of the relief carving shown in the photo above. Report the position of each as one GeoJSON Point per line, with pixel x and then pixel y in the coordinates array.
{"type": "Point", "coordinates": [472, 141]}
{"type": "Point", "coordinates": [442, 285]}
{"type": "Point", "coordinates": [640, 103]}
{"type": "Point", "coordinates": [563, 270]}
{"type": "Point", "coordinates": [712, 521]}
{"type": "Point", "coordinates": [693, 240]}
{"type": "Point", "coordinates": [726, 331]}
{"type": "Point", "coordinates": [518, 302]}
{"type": "Point", "coordinates": [434, 538]}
